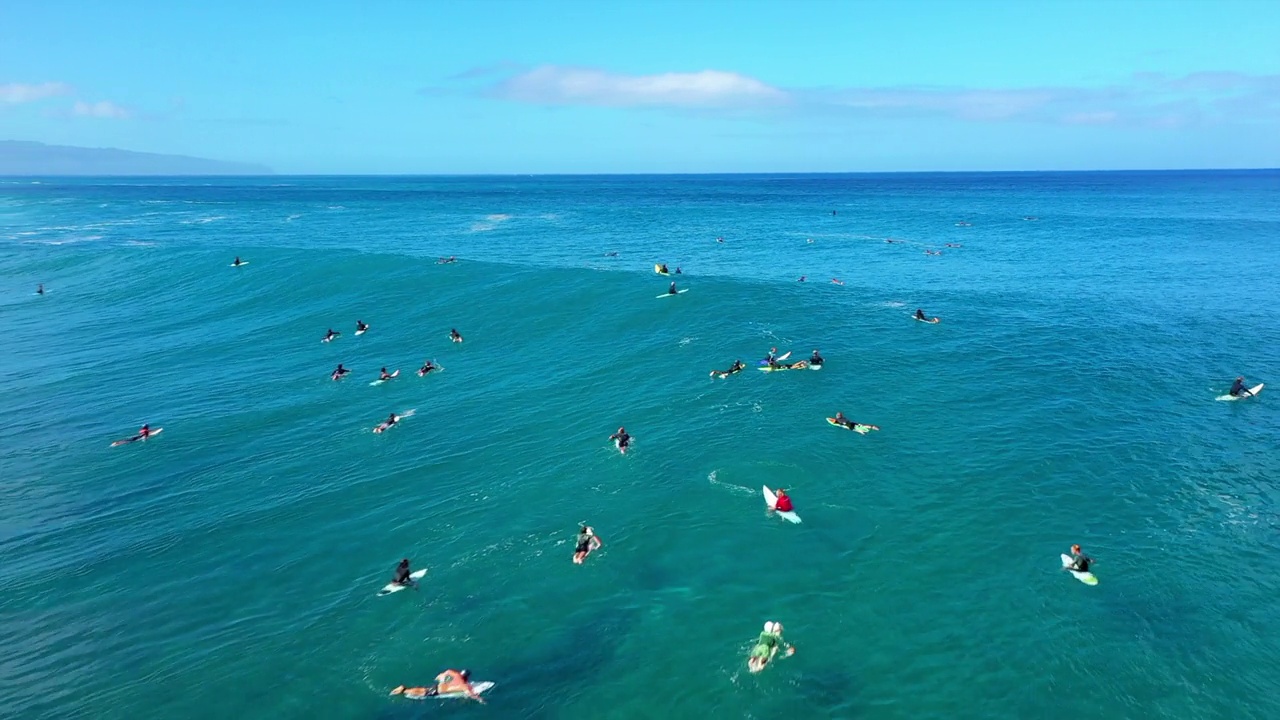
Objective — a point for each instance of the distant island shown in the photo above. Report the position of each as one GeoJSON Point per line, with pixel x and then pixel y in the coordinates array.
{"type": "Point", "coordinates": [32, 158]}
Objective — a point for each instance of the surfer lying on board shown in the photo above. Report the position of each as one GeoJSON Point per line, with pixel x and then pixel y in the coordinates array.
{"type": "Point", "coordinates": [339, 373]}
{"type": "Point", "coordinates": [920, 316]}
{"type": "Point", "coordinates": [446, 261]}
{"type": "Point", "coordinates": [767, 646]}
{"type": "Point", "coordinates": [737, 368]}
{"type": "Point", "coordinates": [1079, 561]}
{"type": "Point", "coordinates": [360, 326]}
{"type": "Point", "coordinates": [331, 335]}
{"type": "Point", "coordinates": [846, 422]}
{"type": "Point", "coordinates": [143, 433]}
{"type": "Point", "coordinates": [587, 542]}
{"type": "Point", "coordinates": [672, 290]}
{"type": "Point", "coordinates": [387, 423]}
{"type": "Point", "coordinates": [426, 368]}
{"type": "Point", "coordinates": [784, 502]}
{"type": "Point", "coordinates": [1238, 389]}
{"type": "Point", "coordinates": [622, 439]}
{"type": "Point", "coordinates": [815, 359]}
{"type": "Point", "coordinates": [454, 336]}
{"type": "Point", "coordinates": [447, 683]}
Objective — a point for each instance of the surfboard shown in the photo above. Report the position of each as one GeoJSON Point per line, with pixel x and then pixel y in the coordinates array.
{"type": "Point", "coordinates": [331, 339]}
{"type": "Point", "coordinates": [414, 576]}
{"type": "Point", "coordinates": [815, 367]}
{"type": "Point", "coordinates": [783, 367]}
{"type": "Point", "coordinates": [1252, 391]}
{"type": "Point", "coordinates": [479, 689]}
{"type": "Point", "coordinates": [379, 381]}
{"type": "Point", "coordinates": [932, 321]}
{"type": "Point", "coordinates": [771, 500]}
{"type": "Point", "coordinates": [621, 449]}
{"type": "Point", "coordinates": [1085, 577]}
{"type": "Point", "coordinates": [658, 269]}
{"type": "Point", "coordinates": [242, 264]}
{"type": "Point", "coordinates": [400, 416]}
{"type": "Point", "coordinates": [678, 292]}
{"type": "Point", "coordinates": [361, 332]}
{"type": "Point", "coordinates": [780, 358]}
{"type": "Point", "coordinates": [126, 441]}
{"type": "Point", "coordinates": [857, 427]}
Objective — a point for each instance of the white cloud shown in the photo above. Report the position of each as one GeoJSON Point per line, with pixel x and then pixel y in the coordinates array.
{"type": "Point", "coordinates": [552, 85]}
{"type": "Point", "coordinates": [101, 109]}
{"type": "Point", "coordinates": [14, 93]}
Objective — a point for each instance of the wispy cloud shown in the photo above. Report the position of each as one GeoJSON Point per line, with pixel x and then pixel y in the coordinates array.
{"type": "Point", "coordinates": [15, 93]}
{"type": "Point", "coordinates": [552, 85]}
{"type": "Point", "coordinates": [100, 109]}
{"type": "Point", "coordinates": [1144, 99]}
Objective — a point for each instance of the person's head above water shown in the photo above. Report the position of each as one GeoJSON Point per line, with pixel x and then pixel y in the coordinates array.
{"type": "Point", "coordinates": [768, 626]}
{"type": "Point", "coordinates": [1075, 548]}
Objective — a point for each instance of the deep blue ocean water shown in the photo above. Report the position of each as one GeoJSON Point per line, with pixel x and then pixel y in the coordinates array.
{"type": "Point", "coordinates": [228, 567]}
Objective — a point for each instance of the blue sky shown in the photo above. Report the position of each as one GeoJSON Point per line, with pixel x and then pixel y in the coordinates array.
{"type": "Point", "coordinates": [520, 86]}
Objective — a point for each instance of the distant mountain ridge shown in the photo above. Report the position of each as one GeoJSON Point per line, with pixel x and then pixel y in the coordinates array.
{"type": "Point", "coordinates": [20, 157]}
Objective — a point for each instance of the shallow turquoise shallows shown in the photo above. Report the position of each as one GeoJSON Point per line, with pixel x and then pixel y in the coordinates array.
{"type": "Point", "coordinates": [228, 568]}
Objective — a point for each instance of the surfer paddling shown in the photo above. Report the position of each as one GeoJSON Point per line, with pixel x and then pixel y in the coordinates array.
{"type": "Point", "coordinates": [454, 336]}
{"type": "Point", "coordinates": [588, 542]}
{"type": "Point", "coordinates": [339, 372]}
{"type": "Point", "coordinates": [361, 327]}
{"type": "Point", "coordinates": [143, 433]}
{"type": "Point", "coordinates": [449, 682]}
{"type": "Point", "coordinates": [920, 316]}
{"type": "Point", "coordinates": [427, 367]}
{"type": "Point", "coordinates": [621, 439]}
{"type": "Point", "coordinates": [329, 336]}
{"type": "Point", "coordinates": [384, 376]}
{"type": "Point", "coordinates": [387, 423]}
{"type": "Point", "coordinates": [842, 421]}
{"type": "Point", "coordinates": [767, 646]}
{"type": "Point", "coordinates": [737, 367]}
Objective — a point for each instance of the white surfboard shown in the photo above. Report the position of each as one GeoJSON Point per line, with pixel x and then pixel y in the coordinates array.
{"type": "Point", "coordinates": [815, 367]}
{"type": "Point", "coordinates": [361, 332]}
{"type": "Point", "coordinates": [414, 577]}
{"type": "Point", "coordinates": [242, 264]}
{"type": "Point", "coordinates": [400, 417]}
{"type": "Point", "coordinates": [1085, 577]}
{"type": "Point", "coordinates": [379, 381]}
{"type": "Point", "coordinates": [772, 500]}
{"type": "Point", "coordinates": [678, 292]}
{"type": "Point", "coordinates": [780, 358]}
{"type": "Point", "coordinates": [1252, 391]}
{"type": "Point", "coordinates": [931, 321]}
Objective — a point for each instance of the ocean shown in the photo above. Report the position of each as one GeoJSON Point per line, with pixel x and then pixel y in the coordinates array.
{"type": "Point", "coordinates": [229, 567]}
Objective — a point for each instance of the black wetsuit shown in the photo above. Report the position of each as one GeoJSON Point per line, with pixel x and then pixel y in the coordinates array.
{"type": "Point", "coordinates": [584, 543]}
{"type": "Point", "coordinates": [402, 574]}
{"type": "Point", "coordinates": [1237, 388]}
{"type": "Point", "coordinates": [816, 359]}
{"type": "Point", "coordinates": [623, 439]}
{"type": "Point", "coordinates": [1081, 563]}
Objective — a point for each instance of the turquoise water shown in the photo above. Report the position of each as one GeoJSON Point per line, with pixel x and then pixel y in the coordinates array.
{"type": "Point", "coordinates": [228, 567]}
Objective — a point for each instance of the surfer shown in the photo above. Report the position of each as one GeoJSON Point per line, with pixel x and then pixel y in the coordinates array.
{"type": "Point", "coordinates": [720, 240]}
{"type": "Point", "coordinates": [40, 289]}
{"type": "Point", "coordinates": [843, 421]}
{"type": "Point", "coordinates": [1238, 389]}
{"type": "Point", "coordinates": [339, 372]}
{"type": "Point", "coordinates": [767, 646]}
{"type": "Point", "coordinates": [329, 336]}
{"type": "Point", "coordinates": [784, 502]}
{"type": "Point", "coordinates": [446, 261]}
{"type": "Point", "coordinates": [143, 433]}
{"type": "Point", "coordinates": [587, 542]}
{"type": "Point", "coordinates": [237, 263]}
{"type": "Point", "coordinates": [426, 368]}
{"type": "Point", "coordinates": [447, 683]}
{"type": "Point", "coordinates": [385, 376]}
{"type": "Point", "coordinates": [816, 359]}
{"type": "Point", "coordinates": [837, 281]}
{"type": "Point", "coordinates": [662, 268]}
{"type": "Point", "coordinates": [392, 420]}
{"type": "Point", "coordinates": [402, 574]}
{"type": "Point", "coordinates": [454, 336]}
{"type": "Point", "coordinates": [622, 439]}
{"type": "Point", "coordinates": [736, 368]}
{"type": "Point", "coordinates": [679, 271]}
{"type": "Point", "coordinates": [920, 316]}
{"type": "Point", "coordinates": [672, 290]}
{"type": "Point", "coordinates": [1079, 561]}
{"type": "Point", "coordinates": [360, 326]}
{"type": "Point", "coordinates": [802, 277]}
{"type": "Point", "coordinates": [772, 358]}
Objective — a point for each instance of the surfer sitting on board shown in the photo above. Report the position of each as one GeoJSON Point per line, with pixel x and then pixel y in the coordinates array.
{"type": "Point", "coordinates": [772, 358]}
{"type": "Point", "coordinates": [339, 372]}
{"type": "Point", "coordinates": [767, 646]}
{"type": "Point", "coordinates": [40, 289]}
{"type": "Point", "coordinates": [454, 336]}
{"type": "Point", "coordinates": [784, 502]}
{"type": "Point", "coordinates": [737, 368]}
{"type": "Point", "coordinates": [331, 335]}
{"type": "Point", "coordinates": [622, 439]}
{"type": "Point", "coordinates": [587, 542]}
{"type": "Point", "coordinates": [816, 359]}
{"type": "Point", "coordinates": [1238, 389]}
{"type": "Point", "coordinates": [402, 573]}
{"type": "Point", "coordinates": [672, 290]}
{"type": "Point", "coordinates": [426, 368]}
{"type": "Point", "coordinates": [360, 326]}
{"type": "Point", "coordinates": [237, 262]}
{"type": "Point", "coordinates": [447, 682]}
{"type": "Point", "coordinates": [1079, 561]}
{"type": "Point", "coordinates": [663, 268]}
{"type": "Point", "coordinates": [384, 375]}
{"type": "Point", "coordinates": [387, 423]}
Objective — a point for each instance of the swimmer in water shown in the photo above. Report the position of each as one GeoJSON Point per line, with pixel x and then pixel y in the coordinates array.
{"type": "Point", "coordinates": [454, 336]}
